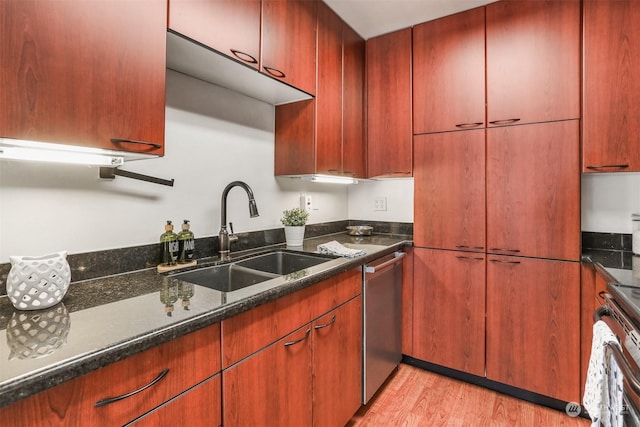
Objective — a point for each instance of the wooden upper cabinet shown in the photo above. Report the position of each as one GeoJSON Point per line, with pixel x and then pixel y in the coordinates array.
{"type": "Point", "coordinates": [329, 92]}
{"type": "Point", "coordinates": [533, 61]}
{"type": "Point", "coordinates": [289, 42]}
{"type": "Point", "coordinates": [84, 73]}
{"type": "Point", "coordinates": [533, 325]}
{"type": "Point", "coordinates": [326, 135]}
{"type": "Point", "coordinates": [533, 190]}
{"type": "Point", "coordinates": [389, 129]}
{"type": "Point", "coordinates": [611, 93]}
{"type": "Point", "coordinates": [449, 200]}
{"type": "Point", "coordinates": [231, 27]}
{"type": "Point", "coordinates": [449, 73]}
{"type": "Point", "coordinates": [353, 86]}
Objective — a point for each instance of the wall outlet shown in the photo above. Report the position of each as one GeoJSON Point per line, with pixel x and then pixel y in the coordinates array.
{"type": "Point", "coordinates": [380, 204]}
{"type": "Point", "coordinates": [306, 203]}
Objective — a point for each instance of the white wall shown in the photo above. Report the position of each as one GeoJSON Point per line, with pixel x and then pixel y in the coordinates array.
{"type": "Point", "coordinates": [608, 200]}
{"type": "Point", "coordinates": [399, 195]}
{"type": "Point", "coordinates": [213, 136]}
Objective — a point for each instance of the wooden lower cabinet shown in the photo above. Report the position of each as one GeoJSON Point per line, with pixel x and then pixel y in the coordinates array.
{"type": "Point", "coordinates": [189, 360]}
{"type": "Point", "coordinates": [200, 406]}
{"type": "Point", "coordinates": [310, 377]}
{"type": "Point", "coordinates": [533, 325]}
{"type": "Point", "coordinates": [449, 309]}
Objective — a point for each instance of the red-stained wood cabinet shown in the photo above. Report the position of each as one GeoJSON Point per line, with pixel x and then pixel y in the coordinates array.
{"type": "Point", "coordinates": [389, 98]}
{"type": "Point", "coordinates": [611, 88]}
{"type": "Point", "coordinates": [231, 27]}
{"type": "Point", "coordinates": [533, 61]}
{"type": "Point", "coordinates": [449, 73]}
{"type": "Point", "coordinates": [84, 73]}
{"type": "Point", "coordinates": [188, 361]}
{"type": "Point", "coordinates": [449, 309]}
{"type": "Point", "coordinates": [533, 190]}
{"type": "Point", "coordinates": [533, 325]}
{"type": "Point", "coordinates": [449, 201]}
{"type": "Point", "coordinates": [325, 135]}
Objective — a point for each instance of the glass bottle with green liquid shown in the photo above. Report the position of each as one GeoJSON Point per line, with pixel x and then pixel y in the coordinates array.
{"type": "Point", "coordinates": [170, 246]}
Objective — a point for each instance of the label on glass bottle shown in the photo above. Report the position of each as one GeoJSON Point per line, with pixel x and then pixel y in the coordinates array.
{"type": "Point", "coordinates": [187, 246]}
{"type": "Point", "coordinates": [170, 251]}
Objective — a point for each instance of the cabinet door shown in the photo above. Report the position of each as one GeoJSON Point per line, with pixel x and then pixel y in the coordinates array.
{"type": "Point", "coordinates": [200, 406]}
{"type": "Point", "coordinates": [328, 124]}
{"type": "Point", "coordinates": [289, 42]}
{"type": "Point", "coordinates": [449, 309]}
{"type": "Point", "coordinates": [272, 387]}
{"type": "Point", "coordinates": [533, 61]}
{"type": "Point", "coordinates": [449, 180]}
{"type": "Point", "coordinates": [337, 333]}
{"type": "Point", "coordinates": [389, 130]}
{"type": "Point", "coordinates": [353, 142]}
{"type": "Point", "coordinates": [231, 27]}
{"type": "Point", "coordinates": [533, 190]}
{"type": "Point", "coordinates": [611, 123]}
{"type": "Point", "coordinates": [188, 360]}
{"type": "Point", "coordinates": [82, 73]}
{"type": "Point", "coordinates": [448, 73]}
{"type": "Point", "coordinates": [533, 325]}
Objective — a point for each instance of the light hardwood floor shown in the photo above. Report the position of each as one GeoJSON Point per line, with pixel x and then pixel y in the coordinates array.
{"type": "Point", "coordinates": [415, 397]}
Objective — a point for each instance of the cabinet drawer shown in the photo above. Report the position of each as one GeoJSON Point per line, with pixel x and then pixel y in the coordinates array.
{"type": "Point", "coordinates": [252, 330]}
{"type": "Point", "coordinates": [188, 360]}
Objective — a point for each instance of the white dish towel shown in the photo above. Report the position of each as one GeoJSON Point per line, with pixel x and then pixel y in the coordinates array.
{"type": "Point", "coordinates": [335, 248]}
{"type": "Point", "coordinates": [603, 389]}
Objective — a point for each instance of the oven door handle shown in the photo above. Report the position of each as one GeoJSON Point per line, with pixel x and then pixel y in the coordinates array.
{"type": "Point", "coordinates": [614, 349]}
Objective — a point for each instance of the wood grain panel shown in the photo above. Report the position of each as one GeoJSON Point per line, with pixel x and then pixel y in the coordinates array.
{"type": "Point", "coordinates": [337, 361]}
{"type": "Point", "coordinates": [533, 60]}
{"type": "Point", "coordinates": [82, 73]}
{"type": "Point", "coordinates": [198, 407]}
{"type": "Point", "coordinates": [389, 129]}
{"type": "Point", "coordinates": [533, 325]}
{"type": "Point", "coordinates": [611, 88]}
{"type": "Point", "coordinates": [273, 387]}
{"type": "Point", "coordinates": [588, 304]}
{"type": "Point", "coordinates": [328, 130]}
{"type": "Point", "coordinates": [190, 359]}
{"type": "Point", "coordinates": [448, 73]}
{"type": "Point", "coordinates": [449, 190]}
{"type": "Point", "coordinates": [533, 190]}
{"type": "Point", "coordinates": [407, 302]}
{"type": "Point", "coordinates": [289, 41]}
{"type": "Point", "coordinates": [254, 329]}
{"type": "Point", "coordinates": [449, 309]}
{"type": "Point", "coordinates": [353, 65]}
{"type": "Point", "coordinates": [223, 25]}
{"type": "Point", "coordinates": [295, 138]}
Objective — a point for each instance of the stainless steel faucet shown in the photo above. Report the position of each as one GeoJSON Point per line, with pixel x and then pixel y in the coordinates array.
{"type": "Point", "coordinates": [225, 238]}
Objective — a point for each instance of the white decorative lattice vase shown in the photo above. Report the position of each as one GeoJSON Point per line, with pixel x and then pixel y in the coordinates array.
{"type": "Point", "coordinates": [35, 283]}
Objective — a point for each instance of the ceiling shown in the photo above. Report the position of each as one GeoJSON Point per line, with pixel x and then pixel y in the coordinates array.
{"type": "Point", "coordinates": [372, 18]}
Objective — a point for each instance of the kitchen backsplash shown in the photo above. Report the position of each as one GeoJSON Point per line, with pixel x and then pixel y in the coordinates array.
{"type": "Point", "coordinates": [91, 265]}
{"type": "Point", "coordinates": [610, 249]}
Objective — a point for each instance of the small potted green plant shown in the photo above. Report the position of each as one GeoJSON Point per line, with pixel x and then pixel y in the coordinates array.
{"type": "Point", "coordinates": [294, 221]}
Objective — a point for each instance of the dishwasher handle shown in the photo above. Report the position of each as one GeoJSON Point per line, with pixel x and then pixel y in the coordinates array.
{"type": "Point", "coordinates": [374, 268]}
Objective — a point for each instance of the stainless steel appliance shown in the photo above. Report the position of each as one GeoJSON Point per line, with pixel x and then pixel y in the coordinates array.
{"type": "Point", "coordinates": [627, 356]}
{"type": "Point", "coordinates": [382, 346]}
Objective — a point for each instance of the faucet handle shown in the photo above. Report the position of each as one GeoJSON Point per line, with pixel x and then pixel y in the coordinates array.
{"type": "Point", "coordinates": [231, 227]}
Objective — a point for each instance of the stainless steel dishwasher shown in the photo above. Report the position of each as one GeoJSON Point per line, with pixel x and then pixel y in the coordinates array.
{"type": "Point", "coordinates": [382, 335]}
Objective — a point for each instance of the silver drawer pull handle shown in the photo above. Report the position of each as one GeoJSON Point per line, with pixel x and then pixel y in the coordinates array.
{"type": "Point", "coordinates": [505, 250]}
{"type": "Point", "coordinates": [469, 258]}
{"type": "Point", "coordinates": [109, 400]}
{"type": "Point", "coordinates": [325, 325]}
{"type": "Point", "coordinates": [502, 261]}
{"type": "Point", "coordinates": [290, 343]}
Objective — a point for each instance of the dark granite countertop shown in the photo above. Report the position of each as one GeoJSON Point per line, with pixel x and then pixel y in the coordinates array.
{"type": "Point", "coordinates": [104, 320]}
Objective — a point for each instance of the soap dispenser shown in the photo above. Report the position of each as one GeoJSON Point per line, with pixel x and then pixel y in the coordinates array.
{"type": "Point", "coordinates": [186, 244]}
{"type": "Point", "coordinates": [170, 247]}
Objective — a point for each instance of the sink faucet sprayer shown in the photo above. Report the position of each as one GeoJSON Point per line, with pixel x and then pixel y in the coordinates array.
{"type": "Point", "coordinates": [225, 238]}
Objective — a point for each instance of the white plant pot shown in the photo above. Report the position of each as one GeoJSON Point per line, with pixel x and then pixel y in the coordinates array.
{"type": "Point", "coordinates": [294, 235]}
{"type": "Point", "coordinates": [35, 283]}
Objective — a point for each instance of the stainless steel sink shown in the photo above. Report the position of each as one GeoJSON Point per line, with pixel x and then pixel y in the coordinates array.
{"type": "Point", "coordinates": [282, 263]}
{"type": "Point", "coordinates": [224, 278]}
{"type": "Point", "coordinates": [248, 272]}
